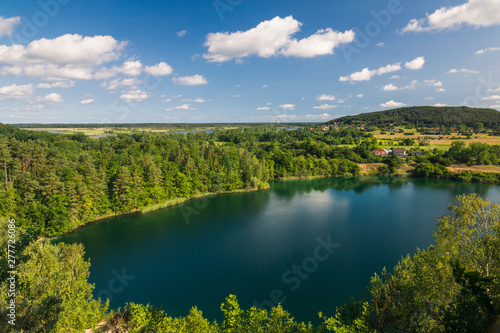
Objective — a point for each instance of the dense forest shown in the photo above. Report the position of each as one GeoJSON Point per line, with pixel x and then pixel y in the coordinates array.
{"type": "Point", "coordinates": [426, 116]}
{"type": "Point", "coordinates": [452, 286]}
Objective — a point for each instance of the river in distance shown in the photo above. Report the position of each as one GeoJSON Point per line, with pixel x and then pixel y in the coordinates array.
{"type": "Point", "coordinates": [309, 244]}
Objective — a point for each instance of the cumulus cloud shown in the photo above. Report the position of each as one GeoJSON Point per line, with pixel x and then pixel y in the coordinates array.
{"type": "Point", "coordinates": [415, 64]}
{"type": "Point", "coordinates": [59, 84]}
{"type": "Point", "coordinates": [64, 57]}
{"type": "Point", "coordinates": [381, 44]}
{"type": "Point", "coordinates": [51, 98]}
{"type": "Point", "coordinates": [325, 107]}
{"type": "Point", "coordinates": [475, 13]}
{"type": "Point", "coordinates": [321, 43]}
{"type": "Point", "coordinates": [72, 57]}
{"type": "Point", "coordinates": [273, 37]}
{"type": "Point", "coordinates": [440, 90]}
{"type": "Point", "coordinates": [182, 107]}
{"type": "Point", "coordinates": [197, 100]}
{"type": "Point", "coordinates": [160, 69]}
{"type": "Point", "coordinates": [287, 106]}
{"type": "Point", "coordinates": [325, 97]}
{"type": "Point", "coordinates": [16, 91]}
{"type": "Point", "coordinates": [87, 101]}
{"type": "Point", "coordinates": [489, 49]}
{"type": "Point", "coordinates": [181, 33]}
{"type": "Point", "coordinates": [440, 104]}
{"type": "Point", "coordinates": [390, 87]}
{"type": "Point", "coordinates": [190, 80]}
{"type": "Point", "coordinates": [116, 84]}
{"type": "Point", "coordinates": [493, 97]}
{"type": "Point", "coordinates": [463, 70]}
{"type": "Point", "coordinates": [367, 74]}
{"type": "Point", "coordinates": [263, 108]}
{"type": "Point", "coordinates": [414, 85]}
{"type": "Point", "coordinates": [7, 25]}
{"type": "Point", "coordinates": [392, 104]}
{"type": "Point", "coordinates": [64, 50]}
{"type": "Point", "coordinates": [360, 95]}
{"type": "Point", "coordinates": [136, 95]}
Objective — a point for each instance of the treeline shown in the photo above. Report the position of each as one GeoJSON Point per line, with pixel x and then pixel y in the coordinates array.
{"type": "Point", "coordinates": [451, 286]}
{"type": "Point", "coordinates": [426, 116]}
{"type": "Point", "coordinates": [53, 183]}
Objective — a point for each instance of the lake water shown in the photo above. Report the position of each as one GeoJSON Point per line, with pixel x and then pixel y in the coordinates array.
{"type": "Point", "coordinates": [269, 245]}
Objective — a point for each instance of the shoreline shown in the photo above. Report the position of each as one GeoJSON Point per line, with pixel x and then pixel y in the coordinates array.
{"type": "Point", "coordinates": [179, 201]}
{"type": "Point", "coordinates": [155, 207]}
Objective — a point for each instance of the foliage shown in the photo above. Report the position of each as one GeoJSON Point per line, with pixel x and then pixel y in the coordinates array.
{"type": "Point", "coordinates": [428, 116]}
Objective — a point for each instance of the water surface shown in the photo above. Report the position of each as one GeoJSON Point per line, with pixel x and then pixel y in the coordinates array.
{"type": "Point", "coordinates": [252, 244]}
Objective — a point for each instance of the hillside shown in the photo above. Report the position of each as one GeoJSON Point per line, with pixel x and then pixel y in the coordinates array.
{"type": "Point", "coordinates": [427, 116]}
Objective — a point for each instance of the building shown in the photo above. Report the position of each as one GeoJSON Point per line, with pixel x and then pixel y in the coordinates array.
{"type": "Point", "coordinates": [380, 152]}
{"type": "Point", "coordinates": [401, 152]}
{"type": "Point", "coordinates": [417, 153]}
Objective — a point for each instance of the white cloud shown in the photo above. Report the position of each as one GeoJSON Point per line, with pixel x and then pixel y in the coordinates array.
{"type": "Point", "coordinates": [414, 85]}
{"type": "Point", "coordinates": [494, 97]}
{"type": "Point", "coordinates": [136, 95]}
{"type": "Point", "coordinates": [415, 64]}
{"type": "Point", "coordinates": [489, 49]}
{"type": "Point", "coordinates": [7, 25]}
{"type": "Point", "coordinates": [190, 80]}
{"type": "Point", "coordinates": [381, 44]}
{"type": "Point", "coordinates": [287, 106]}
{"type": "Point", "coordinates": [51, 98]}
{"type": "Point", "coordinates": [325, 107]}
{"type": "Point", "coordinates": [64, 57]}
{"type": "Point", "coordinates": [181, 33]}
{"type": "Point", "coordinates": [64, 50]}
{"type": "Point", "coordinates": [476, 13]}
{"type": "Point", "coordinates": [184, 107]}
{"type": "Point", "coordinates": [273, 37]}
{"type": "Point", "coordinates": [392, 104]}
{"type": "Point", "coordinates": [199, 100]}
{"type": "Point", "coordinates": [16, 91]}
{"type": "Point", "coordinates": [265, 86]}
{"type": "Point", "coordinates": [463, 70]}
{"type": "Point", "coordinates": [390, 87]}
{"type": "Point", "coordinates": [160, 69]}
{"type": "Point", "coordinates": [366, 74]}
{"type": "Point", "coordinates": [321, 43]}
{"type": "Point", "coordinates": [59, 84]}
{"type": "Point", "coordinates": [325, 97]}
{"type": "Point", "coordinates": [496, 106]}
{"type": "Point", "coordinates": [440, 104]}
{"type": "Point", "coordinates": [130, 83]}
{"type": "Point", "coordinates": [87, 101]}
{"type": "Point", "coordinates": [440, 90]}
{"type": "Point", "coordinates": [430, 98]}
{"type": "Point", "coordinates": [263, 108]}
{"type": "Point", "coordinates": [360, 95]}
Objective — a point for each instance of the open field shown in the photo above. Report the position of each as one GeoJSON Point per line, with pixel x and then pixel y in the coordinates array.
{"type": "Point", "coordinates": [474, 168]}
{"type": "Point", "coordinates": [442, 142]}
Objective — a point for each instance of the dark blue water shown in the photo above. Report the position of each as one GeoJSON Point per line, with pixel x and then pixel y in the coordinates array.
{"type": "Point", "coordinates": [268, 246]}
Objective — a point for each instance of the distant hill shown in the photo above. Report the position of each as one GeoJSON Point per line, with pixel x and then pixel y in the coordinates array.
{"type": "Point", "coordinates": [426, 116]}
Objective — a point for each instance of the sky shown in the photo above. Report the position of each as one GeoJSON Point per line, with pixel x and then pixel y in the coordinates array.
{"type": "Point", "coordinates": [218, 61]}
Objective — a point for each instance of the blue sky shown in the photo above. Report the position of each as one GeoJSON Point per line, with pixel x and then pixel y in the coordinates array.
{"type": "Point", "coordinates": [242, 61]}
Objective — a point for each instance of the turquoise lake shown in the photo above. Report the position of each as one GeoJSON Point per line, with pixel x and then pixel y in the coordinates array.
{"type": "Point", "coordinates": [310, 244]}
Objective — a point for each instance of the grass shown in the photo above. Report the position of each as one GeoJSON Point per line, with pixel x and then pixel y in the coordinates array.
{"type": "Point", "coordinates": [474, 168]}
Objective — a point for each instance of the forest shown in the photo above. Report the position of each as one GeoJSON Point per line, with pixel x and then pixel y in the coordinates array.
{"type": "Point", "coordinates": [427, 116]}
